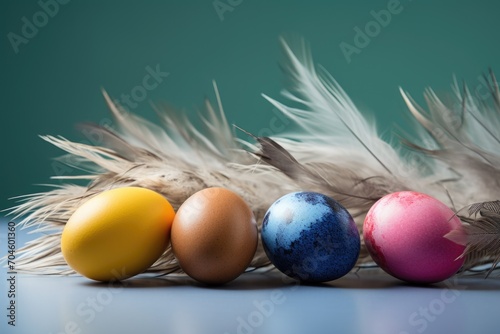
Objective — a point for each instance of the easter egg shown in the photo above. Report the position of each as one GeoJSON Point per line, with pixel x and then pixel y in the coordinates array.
{"type": "Point", "coordinates": [405, 235]}
{"type": "Point", "coordinates": [117, 234]}
{"type": "Point", "coordinates": [214, 236]}
{"type": "Point", "coordinates": [310, 237]}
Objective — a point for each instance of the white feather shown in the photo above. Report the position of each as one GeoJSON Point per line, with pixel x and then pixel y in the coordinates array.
{"type": "Point", "coordinates": [333, 130]}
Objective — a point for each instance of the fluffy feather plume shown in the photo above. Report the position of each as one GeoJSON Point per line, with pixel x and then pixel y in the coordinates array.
{"type": "Point", "coordinates": [337, 150]}
{"type": "Point", "coordinates": [175, 160]}
{"type": "Point", "coordinates": [464, 136]}
{"type": "Point", "coordinates": [334, 149]}
{"type": "Point", "coordinates": [339, 153]}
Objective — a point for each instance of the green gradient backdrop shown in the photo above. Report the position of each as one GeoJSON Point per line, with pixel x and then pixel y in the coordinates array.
{"type": "Point", "coordinates": [54, 81]}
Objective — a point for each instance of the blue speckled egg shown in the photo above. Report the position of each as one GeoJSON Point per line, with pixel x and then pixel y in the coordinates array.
{"type": "Point", "coordinates": [310, 237]}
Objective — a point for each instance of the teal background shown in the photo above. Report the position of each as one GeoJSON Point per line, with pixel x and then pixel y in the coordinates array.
{"type": "Point", "coordinates": [54, 81]}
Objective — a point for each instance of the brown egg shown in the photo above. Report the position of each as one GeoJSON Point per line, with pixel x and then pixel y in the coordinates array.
{"type": "Point", "coordinates": [214, 236]}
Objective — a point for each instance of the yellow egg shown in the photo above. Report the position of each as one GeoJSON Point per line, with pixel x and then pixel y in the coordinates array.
{"type": "Point", "coordinates": [118, 233]}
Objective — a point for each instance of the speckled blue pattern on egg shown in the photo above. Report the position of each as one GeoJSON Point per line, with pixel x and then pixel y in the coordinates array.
{"type": "Point", "coordinates": [311, 237]}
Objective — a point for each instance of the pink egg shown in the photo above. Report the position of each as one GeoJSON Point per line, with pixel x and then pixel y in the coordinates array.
{"type": "Point", "coordinates": [404, 233]}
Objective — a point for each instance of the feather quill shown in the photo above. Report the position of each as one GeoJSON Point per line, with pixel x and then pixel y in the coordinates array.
{"type": "Point", "coordinates": [481, 235]}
